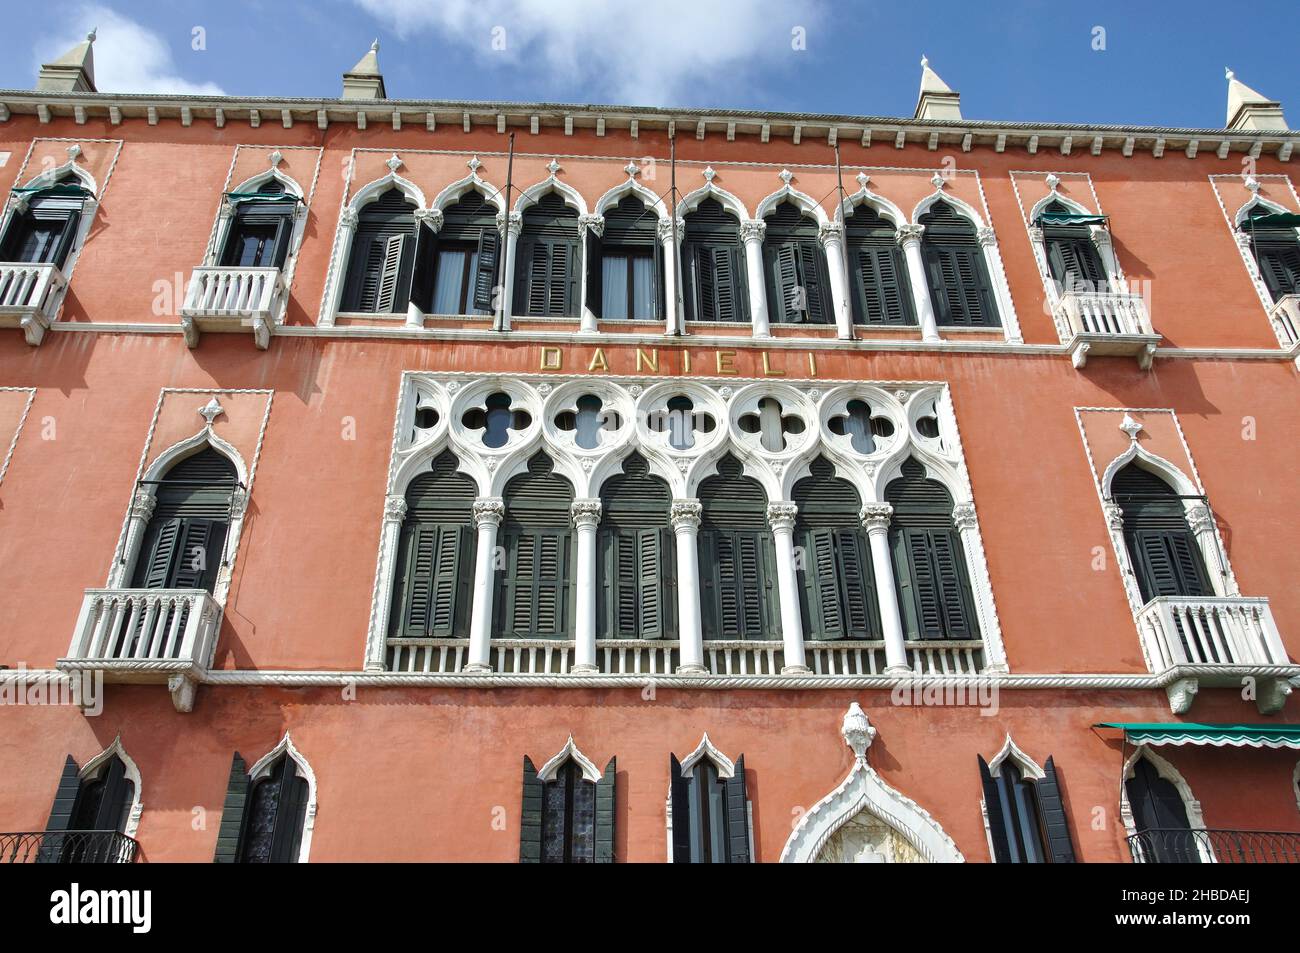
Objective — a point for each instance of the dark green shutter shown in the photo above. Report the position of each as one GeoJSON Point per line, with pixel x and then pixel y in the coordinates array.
{"type": "Point", "coordinates": [605, 802]}
{"type": "Point", "coordinates": [821, 586]}
{"type": "Point", "coordinates": [232, 813]}
{"type": "Point", "coordinates": [424, 268]}
{"type": "Point", "coordinates": [786, 269]}
{"type": "Point", "coordinates": [812, 273]}
{"type": "Point", "coordinates": [162, 553]}
{"type": "Point", "coordinates": [737, 816]}
{"type": "Point", "coordinates": [198, 557]}
{"type": "Point", "coordinates": [530, 817]}
{"type": "Point", "coordinates": [485, 270]}
{"type": "Point", "coordinates": [1075, 260]}
{"type": "Point", "coordinates": [1279, 265]}
{"type": "Point", "coordinates": [881, 290]}
{"type": "Point", "coordinates": [593, 261]}
{"type": "Point", "coordinates": [993, 811]}
{"type": "Point", "coordinates": [534, 594]}
{"type": "Point", "coordinates": [679, 792]}
{"type": "Point", "coordinates": [65, 797]}
{"type": "Point", "coordinates": [650, 567]}
{"type": "Point", "coordinates": [1168, 563]}
{"type": "Point", "coordinates": [1051, 808]}
{"type": "Point", "coordinates": [960, 287]}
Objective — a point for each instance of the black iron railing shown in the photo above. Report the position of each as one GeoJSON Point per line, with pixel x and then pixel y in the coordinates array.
{"type": "Point", "coordinates": [67, 847]}
{"type": "Point", "coordinates": [1174, 846]}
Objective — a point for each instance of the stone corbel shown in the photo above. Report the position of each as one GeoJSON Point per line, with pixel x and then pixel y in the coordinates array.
{"type": "Point", "coordinates": [431, 217]}
{"type": "Point", "coordinates": [593, 223]}
{"type": "Point", "coordinates": [182, 688]}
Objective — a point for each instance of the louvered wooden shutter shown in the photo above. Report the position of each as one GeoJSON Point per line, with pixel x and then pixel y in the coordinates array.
{"type": "Point", "coordinates": [1279, 264]}
{"type": "Point", "coordinates": [485, 271]}
{"type": "Point", "coordinates": [232, 813]}
{"type": "Point", "coordinates": [530, 816]}
{"type": "Point", "coordinates": [883, 293]}
{"type": "Point", "coordinates": [1074, 260]}
{"type": "Point", "coordinates": [857, 583]}
{"type": "Point", "coordinates": [198, 557]}
{"type": "Point", "coordinates": [162, 553]}
{"type": "Point", "coordinates": [593, 261]}
{"type": "Point", "coordinates": [812, 272]}
{"type": "Point", "coordinates": [785, 265]}
{"type": "Point", "coordinates": [605, 801]}
{"type": "Point", "coordinates": [932, 585]}
{"type": "Point", "coordinates": [552, 583]}
{"type": "Point", "coordinates": [679, 792]}
{"type": "Point", "coordinates": [993, 811]}
{"type": "Point", "coordinates": [390, 271]}
{"type": "Point", "coordinates": [821, 587]}
{"type": "Point", "coordinates": [737, 816]}
{"type": "Point", "coordinates": [433, 590]}
{"type": "Point", "coordinates": [1169, 563]}
{"type": "Point", "coordinates": [959, 286]}
{"type": "Point", "coordinates": [64, 807]}
{"type": "Point", "coordinates": [1051, 808]}
{"type": "Point", "coordinates": [424, 267]}
{"type": "Point", "coordinates": [954, 593]}
{"type": "Point", "coordinates": [699, 283]}
{"type": "Point", "coordinates": [67, 239]}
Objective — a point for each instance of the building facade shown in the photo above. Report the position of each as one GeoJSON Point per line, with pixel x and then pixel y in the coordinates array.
{"type": "Point", "coordinates": [416, 480]}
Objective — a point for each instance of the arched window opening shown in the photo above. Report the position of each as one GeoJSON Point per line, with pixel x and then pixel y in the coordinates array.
{"type": "Point", "coordinates": [714, 277]}
{"type": "Point", "coordinates": [184, 543]}
{"type": "Point", "coordinates": [1275, 242]}
{"type": "Point", "coordinates": [934, 592]}
{"type": "Point", "coordinates": [1160, 817]}
{"type": "Point", "coordinates": [960, 287]}
{"type": "Point", "coordinates": [46, 230]}
{"type": "Point", "coordinates": [548, 269]}
{"type": "Point", "coordinates": [1072, 258]}
{"type": "Point", "coordinates": [91, 809]}
{"type": "Point", "coordinates": [738, 598]}
{"type": "Point", "coordinates": [834, 558]}
{"type": "Point", "coordinates": [458, 273]}
{"type": "Point", "coordinates": [798, 285]}
{"type": "Point", "coordinates": [882, 291]}
{"type": "Point", "coordinates": [260, 232]}
{"type": "Point", "coordinates": [710, 813]}
{"type": "Point", "coordinates": [534, 590]}
{"type": "Point", "coordinates": [636, 592]}
{"type": "Point", "coordinates": [383, 254]}
{"type": "Point", "coordinates": [626, 271]}
{"type": "Point", "coordinates": [275, 815]}
{"type": "Point", "coordinates": [1024, 810]}
{"type": "Point", "coordinates": [567, 816]}
{"type": "Point", "coordinates": [435, 563]}
{"type": "Point", "coordinates": [1161, 546]}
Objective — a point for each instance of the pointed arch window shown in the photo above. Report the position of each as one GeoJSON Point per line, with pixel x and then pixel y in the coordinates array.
{"type": "Point", "coordinates": [835, 572]}
{"type": "Point", "coordinates": [184, 543]}
{"type": "Point", "coordinates": [714, 272]}
{"type": "Point", "coordinates": [534, 592]}
{"type": "Point", "coordinates": [431, 592]}
{"type": "Point", "coordinates": [626, 264]}
{"type": "Point", "coordinates": [267, 815]}
{"type": "Point", "coordinates": [457, 270]}
{"type": "Point", "coordinates": [1160, 817]}
{"type": "Point", "coordinates": [548, 269]}
{"type": "Point", "coordinates": [567, 817]}
{"type": "Point", "coordinates": [882, 291]}
{"type": "Point", "coordinates": [737, 560]}
{"type": "Point", "coordinates": [90, 806]}
{"type": "Point", "coordinates": [383, 254]}
{"type": "Point", "coordinates": [934, 592]}
{"type": "Point", "coordinates": [1161, 546]}
{"type": "Point", "coordinates": [260, 232]}
{"type": "Point", "coordinates": [1275, 243]}
{"type": "Point", "coordinates": [1072, 258]}
{"type": "Point", "coordinates": [1025, 813]}
{"type": "Point", "coordinates": [636, 593]}
{"type": "Point", "coordinates": [710, 812]}
{"type": "Point", "coordinates": [45, 232]}
{"type": "Point", "coordinates": [960, 286]}
{"type": "Point", "coordinates": [798, 286]}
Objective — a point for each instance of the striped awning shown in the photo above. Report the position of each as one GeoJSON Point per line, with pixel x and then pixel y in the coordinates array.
{"type": "Point", "coordinates": [1218, 736]}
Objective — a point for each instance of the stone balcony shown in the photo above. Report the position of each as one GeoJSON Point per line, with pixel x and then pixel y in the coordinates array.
{"type": "Point", "coordinates": [233, 299]}
{"type": "Point", "coordinates": [30, 295]}
{"type": "Point", "coordinates": [1105, 323]}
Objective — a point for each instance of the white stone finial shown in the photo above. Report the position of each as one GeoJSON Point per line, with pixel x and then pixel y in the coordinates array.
{"type": "Point", "coordinates": [709, 174]}
{"type": "Point", "coordinates": [211, 410]}
{"type": "Point", "coordinates": [393, 163]}
{"type": "Point", "coordinates": [474, 165]}
{"type": "Point", "coordinates": [937, 180]}
{"type": "Point", "coordinates": [786, 175]}
{"type": "Point", "coordinates": [90, 37]}
{"type": "Point", "coordinates": [632, 169]}
{"type": "Point", "coordinates": [857, 731]}
{"type": "Point", "coordinates": [924, 61]}
{"type": "Point", "coordinates": [553, 167]}
{"type": "Point", "coordinates": [1228, 73]}
{"type": "Point", "coordinates": [1053, 180]}
{"type": "Point", "coordinates": [1131, 427]}
{"type": "Point", "coordinates": [276, 158]}
{"type": "Point", "coordinates": [374, 45]}
{"type": "Point", "coordinates": [73, 151]}
{"type": "Point", "coordinates": [863, 179]}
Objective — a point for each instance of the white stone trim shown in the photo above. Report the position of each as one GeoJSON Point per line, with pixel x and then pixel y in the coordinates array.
{"type": "Point", "coordinates": [22, 419]}
{"type": "Point", "coordinates": [806, 203]}
{"type": "Point", "coordinates": [548, 771]}
{"type": "Point", "coordinates": [706, 749]}
{"type": "Point", "coordinates": [864, 790]}
{"type": "Point", "coordinates": [263, 768]}
{"type": "Point", "coordinates": [131, 772]}
{"type": "Point", "coordinates": [1011, 752]}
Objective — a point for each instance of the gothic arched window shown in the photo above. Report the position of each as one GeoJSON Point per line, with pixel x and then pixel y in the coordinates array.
{"type": "Point", "coordinates": [798, 286]}
{"type": "Point", "coordinates": [714, 280]}
{"type": "Point", "coordinates": [955, 268]}
{"type": "Point", "coordinates": [383, 253]}
{"type": "Point", "coordinates": [534, 589]}
{"type": "Point", "coordinates": [626, 267]}
{"type": "Point", "coordinates": [548, 260]}
{"type": "Point", "coordinates": [738, 598]}
{"type": "Point", "coordinates": [636, 564]}
{"type": "Point", "coordinates": [882, 291]}
{"type": "Point", "coordinates": [1160, 542]}
{"type": "Point", "coordinates": [260, 231]}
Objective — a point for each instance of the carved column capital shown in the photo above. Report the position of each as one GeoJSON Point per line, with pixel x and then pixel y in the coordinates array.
{"type": "Point", "coordinates": [1100, 238]}
{"type": "Point", "coordinates": [142, 505]}
{"type": "Point", "coordinates": [593, 223]}
{"type": "Point", "coordinates": [1036, 234]}
{"type": "Point", "coordinates": [429, 216]}
{"type": "Point", "coordinates": [686, 513]}
{"type": "Point", "coordinates": [488, 511]}
{"type": "Point", "coordinates": [986, 236]}
{"type": "Point", "coordinates": [238, 502]}
{"type": "Point", "coordinates": [877, 516]}
{"type": "Point", "coordinates": [829, 233]}
{"type": "Point", "coordinates": [1199, 518]}
{"type": "Point", "coordinates": [907, 234]}
{"type": "Point", "coordinates": [349, 218]}
{"type": "Point", "coordinates": [665, 229]}
{"type": "Point", "coordinates": [394, 508]}
{"type": "Point", "coordinates": [780, 515]}
{"type": "Point", "coordinates": [585, 512]}
{"type": "Point", "coordinates": [752, 230]}
{"type": "Point", "coordinates": [515, 223]}
{"type": "Point", "coordinates": [963, 516]}
{"type": "Point", "coordinates": [1114, 517]}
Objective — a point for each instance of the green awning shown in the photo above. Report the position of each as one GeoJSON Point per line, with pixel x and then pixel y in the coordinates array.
{"type": "Point", "coordinates": [261, 197]}
{"type": "Point", "coordinates": [1277, 218]}
{"type": "Point", "coordinates": [78, 191]}
{"type": "Point", "coordinates": [1218, 736]}
{"type": "Point", "coordinates": [1069, 218]}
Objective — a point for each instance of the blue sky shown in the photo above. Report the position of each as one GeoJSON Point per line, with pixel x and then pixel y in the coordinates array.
{"type": "Point", "coordinates": [1162, 64]}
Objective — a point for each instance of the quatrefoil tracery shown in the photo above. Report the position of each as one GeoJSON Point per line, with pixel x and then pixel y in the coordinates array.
{"type": "Point", "coordinates": [867, 432]}
{"type": "Point", "coordinates": [496, 418]}
{"type": "Point", "coordinates": [587, 420]}
{"type": "Point", "coordinates": [681, 421]}
{"type": "Point", "coordinates": [772, 424]}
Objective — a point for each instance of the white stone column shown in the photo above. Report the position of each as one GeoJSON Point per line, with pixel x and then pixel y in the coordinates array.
{"type": "Point", "coordinates": [343, 241]}
{"type": "Point", "coordinates": [780, 516]}
{"type": "Point", "coordinates": [909, 236]}
{"type": "Point", "coordinates": [831, 235]}
{"type": "Point", "coordinates": [875, 520]}
{"type": "Point", "coordinates": [596, 225]}
{"type": "Point", "coordinates": [673, 320]}
{"type": "Point", "coordinates": [988, 241]}
{"type": "Point", "coordinates": [488, 512]}
{"type": "Point", "coordinates": [685, 517]}
{"type": "Point", "coordinates": [751, 233]}
{"type": "Point", "coordinates": [1201, 522]}
{"type": "Point", "coordinates": [390, 535]}
{"type": "Point", "coordinates": [514, 225]}
{"type": "Point", "coordinates": [977, 571]}
{"type": "Point", "coordinates": [586, 517]}
{"type": "Point", "coordinates": [142, 507]}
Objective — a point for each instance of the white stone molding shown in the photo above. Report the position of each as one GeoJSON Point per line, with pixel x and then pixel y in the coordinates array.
{"type": "Point", "coordinates": [131, 772]}
{"type": "Point", "coordinates": [569, 752]}
{"type": "Point", "coordinates": [684, 516]}
{"type": "Point", "coordinates": [711, 190]}
{"type": "Point", "coordinates": [1010, 752]}
{"type": "Point", "coordinates": [22, 420]}
{"type": "Point", "coordinates": [263, 769]}
{"type": "Point", "coordinates": [534, 193]}
{"type": "Point", "coordinates": [788, 193]}
{"type": "Point", "coordinates": [726, 768]}
{"type": "Point", "coordinates": [864, 791]}
{"type": "Point", "coordinates": [909, 237]}
{"type": "Point", "coordinates": [878, 203]}
{"type": "Point", "coordinates": [781, 517]}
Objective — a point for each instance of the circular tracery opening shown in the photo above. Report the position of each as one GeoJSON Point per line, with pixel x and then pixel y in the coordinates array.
{"type": "Point", "coordinates": [496, 419]}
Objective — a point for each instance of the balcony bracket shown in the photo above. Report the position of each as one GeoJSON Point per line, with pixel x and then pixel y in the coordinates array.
{"type": "Point", "coordinates": [1271, 695]}
{"type": "Point", "coordinates": [182, 689]}
{"type": "Point", "coordinates": [1181, 694]}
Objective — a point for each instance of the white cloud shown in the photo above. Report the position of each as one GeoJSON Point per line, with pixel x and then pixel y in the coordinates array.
{"type": "Point", "coordinates": [129, 58]}
{"type": "Point", "coordinates": [646, 53]}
